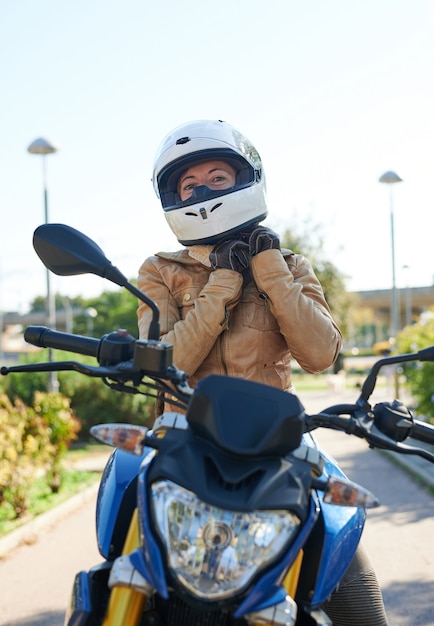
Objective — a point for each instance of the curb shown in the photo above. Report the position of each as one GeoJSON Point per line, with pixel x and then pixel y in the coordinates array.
{"type": "Point", "coordinates": [417, 467]}
{"type": "Point", "coordinates": [29, 532]}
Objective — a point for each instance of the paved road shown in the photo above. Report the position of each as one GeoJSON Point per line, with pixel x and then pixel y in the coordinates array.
{"type": "Point", "coordinates": [36, 579]}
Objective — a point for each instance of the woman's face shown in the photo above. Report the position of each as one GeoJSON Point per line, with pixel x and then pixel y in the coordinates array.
{"type": "Point", "coordinates": [212, 174]}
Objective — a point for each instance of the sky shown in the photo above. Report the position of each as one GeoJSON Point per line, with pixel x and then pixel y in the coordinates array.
{"type": "Point", "coordinates": [332, 94]}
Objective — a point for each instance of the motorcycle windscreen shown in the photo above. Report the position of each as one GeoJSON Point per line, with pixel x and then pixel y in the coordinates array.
{"type": "Point", "coordinates": [245, 417]}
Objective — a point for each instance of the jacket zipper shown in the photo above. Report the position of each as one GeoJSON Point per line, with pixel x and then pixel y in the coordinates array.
{"type": "Point", "coordinates": [221, 342]}
{"type": "Point", "coordinates": [265, 299]}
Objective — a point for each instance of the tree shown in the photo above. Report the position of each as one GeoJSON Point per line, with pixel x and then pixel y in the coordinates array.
{"type": "Point", "coordinates": [115, 309]}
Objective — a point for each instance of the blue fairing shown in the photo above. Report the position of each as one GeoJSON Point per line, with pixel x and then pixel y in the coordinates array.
{"type": "Point", "coordinates": [122, 468]}
{"type": "Point", "coordinates": [343, 528]}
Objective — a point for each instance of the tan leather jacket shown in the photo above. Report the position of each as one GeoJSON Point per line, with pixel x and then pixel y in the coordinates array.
{"type": "Point", "coordinates": [217, 326]}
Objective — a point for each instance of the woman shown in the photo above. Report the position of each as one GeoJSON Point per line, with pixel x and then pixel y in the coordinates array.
{"type": "Point", "coordinates": [233, 302]}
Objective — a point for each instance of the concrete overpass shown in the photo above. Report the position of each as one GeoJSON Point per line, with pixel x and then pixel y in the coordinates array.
{"type": "Point", "coordinates": [12, 342]}
{"type": "Point", "coordinates": [411, 303]}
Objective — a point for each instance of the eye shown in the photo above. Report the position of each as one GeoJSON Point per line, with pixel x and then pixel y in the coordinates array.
{"type": "Point", "coordinates": [222, 179]}
{"type": "Point", "coordinates": [187, 190]}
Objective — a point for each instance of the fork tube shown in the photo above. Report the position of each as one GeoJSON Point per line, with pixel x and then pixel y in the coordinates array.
{"type": "Point", "coordinates": [126, 605]}
{"type": "Point", "coordinates": [290, 581]}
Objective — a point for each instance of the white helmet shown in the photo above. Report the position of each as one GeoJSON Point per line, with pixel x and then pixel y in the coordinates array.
{"type": "Point", "coordinates": [209, 216]}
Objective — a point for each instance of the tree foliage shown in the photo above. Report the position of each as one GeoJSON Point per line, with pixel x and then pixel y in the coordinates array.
{"type": "Point", "coordinates": [115, 309]}
{"type": "Point", "coordinates": [420, 376]}
{"type": "Point", "coordinates": [99, 315]}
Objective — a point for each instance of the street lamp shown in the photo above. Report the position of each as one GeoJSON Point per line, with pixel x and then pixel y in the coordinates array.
{"type": "Point", "coordinates": [390, 178]}
{"type": "Point", "coordinates": [43, 147]}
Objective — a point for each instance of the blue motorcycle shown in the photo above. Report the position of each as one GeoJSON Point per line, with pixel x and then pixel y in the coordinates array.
{"type": "Point", "coordinates": [226, 512]}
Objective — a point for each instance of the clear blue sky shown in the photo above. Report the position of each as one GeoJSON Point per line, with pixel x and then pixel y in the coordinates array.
{"type": "Point", "coordinates": [333, 94]}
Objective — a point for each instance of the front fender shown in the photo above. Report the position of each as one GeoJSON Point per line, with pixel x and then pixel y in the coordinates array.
{"type": "Point", "coordinates": [117, 499]}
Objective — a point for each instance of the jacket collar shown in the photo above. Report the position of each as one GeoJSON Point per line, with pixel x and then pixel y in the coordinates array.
{"type": "Point", "coordinates": [192, 255]}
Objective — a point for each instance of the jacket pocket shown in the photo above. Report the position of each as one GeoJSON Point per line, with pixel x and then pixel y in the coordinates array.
{"type": "Point", "coordinates": [185, 299]}
{"type": "Point", "coordinates": [256, 313]}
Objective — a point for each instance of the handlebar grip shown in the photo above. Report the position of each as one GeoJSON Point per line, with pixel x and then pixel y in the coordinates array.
{"type": "Point", "coordinates": [422, 432]}
{"type": "Point", "coordinates": [44, 337]}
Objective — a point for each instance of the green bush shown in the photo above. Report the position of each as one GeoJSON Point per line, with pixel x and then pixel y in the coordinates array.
{"type": "Point", "coordinates": [95, 403]}
{"type": "Point", "coordinates": [32, 439]}
{"type": "Point", "coordinates": [61, 427]}
{"type": "Point", "coordinates": [91, 400]}
{"type": "Point", "coordinates": [420, 376]}
{"type": "Point", "coordinates": [24, 386]}
{"type": "Point", "coordinates": [23, 448]}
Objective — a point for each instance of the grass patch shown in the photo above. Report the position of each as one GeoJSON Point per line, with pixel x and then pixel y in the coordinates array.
{"type": "Point", "coordinates": [41, 498]}
{"type": "Point", "coordinates": [319, 382]}
{"type": "Point", "coordinates": [80, 450]}
{"type": "Point", "coordinates": [309, 382]}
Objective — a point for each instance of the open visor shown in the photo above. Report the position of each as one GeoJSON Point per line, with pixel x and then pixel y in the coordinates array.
{"type": "Point", "coordinates": [169, 176]}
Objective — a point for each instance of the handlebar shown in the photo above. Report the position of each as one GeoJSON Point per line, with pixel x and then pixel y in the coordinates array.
{"type": "Point", "coordinates": [385, 426]}
{"type": "Point", "coordinates": [123, 358]}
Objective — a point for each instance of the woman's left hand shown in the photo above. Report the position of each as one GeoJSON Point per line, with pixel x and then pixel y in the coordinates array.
{"type": "Point", "coordinates": [261, 239]}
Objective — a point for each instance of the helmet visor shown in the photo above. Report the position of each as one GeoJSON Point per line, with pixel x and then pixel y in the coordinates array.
{"type": "Point", "coordinates": [168, 180]}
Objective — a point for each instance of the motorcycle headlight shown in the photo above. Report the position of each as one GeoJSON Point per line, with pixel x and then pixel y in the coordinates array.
{"type": "Point", "coordinates": [213, 552]}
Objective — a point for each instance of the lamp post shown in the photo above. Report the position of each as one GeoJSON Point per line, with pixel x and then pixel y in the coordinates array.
{"type": "Point", "coordinates": [408, 305]}
{"type": "Point", "coordinates": [390, 178]}
{"type": "Point", "coordinates": [91, 314]}
{"type": "Point", "coordinates": [43, 147]}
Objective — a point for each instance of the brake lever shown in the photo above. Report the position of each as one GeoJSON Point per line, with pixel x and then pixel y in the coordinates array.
{"type": "Point", "coordinates": [363, 426]}
{"type": "Point", "coordinates": [383, 442]}
{"type": "Point", "coordinates": [121, 371]}
{"type": "Point", "coordinates": [367, 429]}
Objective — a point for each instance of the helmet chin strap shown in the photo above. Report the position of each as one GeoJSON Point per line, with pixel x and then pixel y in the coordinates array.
{"type": "Point", "coordinates": [246, 231]}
